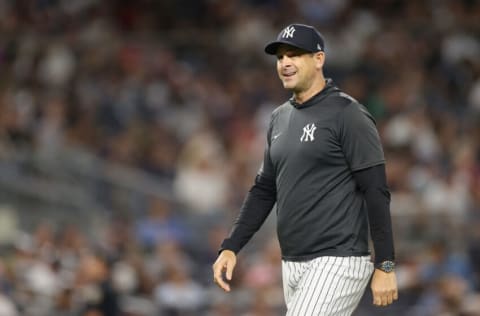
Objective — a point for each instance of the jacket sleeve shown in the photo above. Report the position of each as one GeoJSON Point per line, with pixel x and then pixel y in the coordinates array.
{"type": "Point", "coordinates": [256, 207]}
{"type": "Point", "coordinates": [373, 184]}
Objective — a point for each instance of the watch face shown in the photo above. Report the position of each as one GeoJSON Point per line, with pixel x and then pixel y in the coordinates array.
{"type": "Point", "coordinates": [387, 266]}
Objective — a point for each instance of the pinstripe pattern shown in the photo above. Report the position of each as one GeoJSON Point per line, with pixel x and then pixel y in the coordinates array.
{"type": "Point", "coordinates": [325, 285]}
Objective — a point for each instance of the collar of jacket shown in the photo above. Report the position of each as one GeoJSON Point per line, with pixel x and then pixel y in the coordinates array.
{"type": "Point", "coordinates": [329, 88]}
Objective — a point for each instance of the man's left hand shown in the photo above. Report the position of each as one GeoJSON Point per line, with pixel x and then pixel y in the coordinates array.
{"type": "Point", "coordinates": [384, 287]}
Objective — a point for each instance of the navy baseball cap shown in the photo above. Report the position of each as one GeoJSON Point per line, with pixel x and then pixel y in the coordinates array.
{"type": "Point", "coordinates": [302, 36]}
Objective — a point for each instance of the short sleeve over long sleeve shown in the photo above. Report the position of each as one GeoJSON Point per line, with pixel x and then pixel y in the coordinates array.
{"type": "Point", "coordinates": [359, 137]}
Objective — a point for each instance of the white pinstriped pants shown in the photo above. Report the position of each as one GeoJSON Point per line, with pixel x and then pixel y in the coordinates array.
{"type": "Point", "coordinates": [325, 285]}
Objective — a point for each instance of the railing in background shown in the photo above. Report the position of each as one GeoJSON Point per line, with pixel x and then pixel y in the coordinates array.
{"type": "Point", "coordinates": [73, 185]}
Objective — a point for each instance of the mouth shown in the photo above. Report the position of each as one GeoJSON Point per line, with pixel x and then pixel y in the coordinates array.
{"type": "Point", "coordinates": [288, 74]}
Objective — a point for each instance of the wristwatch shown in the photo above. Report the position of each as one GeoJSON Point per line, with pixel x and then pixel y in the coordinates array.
{"type": "Point", "coordinates": [386, 266]}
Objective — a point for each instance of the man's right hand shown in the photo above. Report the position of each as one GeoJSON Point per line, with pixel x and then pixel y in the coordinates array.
{"type": "Point", "coordinates": [226, 262]}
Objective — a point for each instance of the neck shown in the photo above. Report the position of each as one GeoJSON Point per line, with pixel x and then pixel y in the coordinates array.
{"type": "Point", "coordinates": [317, 86]}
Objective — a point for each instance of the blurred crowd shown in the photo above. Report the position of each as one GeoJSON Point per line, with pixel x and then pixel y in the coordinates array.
{"type": "Point", "coordinates": [182, 90]}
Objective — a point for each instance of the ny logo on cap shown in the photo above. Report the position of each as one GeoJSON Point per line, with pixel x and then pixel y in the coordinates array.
{"type": "Point", "coordinates": [288, 32]}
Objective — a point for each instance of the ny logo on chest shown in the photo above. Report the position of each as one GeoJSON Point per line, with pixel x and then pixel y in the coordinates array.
{"type": "Point", "coordinates": [308, 133]}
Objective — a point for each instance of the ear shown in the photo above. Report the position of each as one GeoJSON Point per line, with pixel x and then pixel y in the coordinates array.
{"type": "Point", "coordinates": [319, 60]}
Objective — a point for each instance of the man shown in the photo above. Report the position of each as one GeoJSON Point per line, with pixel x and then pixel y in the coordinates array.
{"type": "Point", "coordinates": [324, 167]}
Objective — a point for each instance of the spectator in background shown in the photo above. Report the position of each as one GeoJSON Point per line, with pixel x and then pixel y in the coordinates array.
{"type": "Point", "coordinates": [201, 181]}
{"type": "Point", "coordinates": [95, 287]}
{"type": "Point", "coordinates": [7, 307]}
{"type": "Point", "coordinates": [178, 294]}
{"type": "Point", "coordinates": [160, 225]}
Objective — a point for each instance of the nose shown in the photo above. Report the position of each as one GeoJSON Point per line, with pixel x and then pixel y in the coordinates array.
{"type": "Point", "coordinates": [285, 61]}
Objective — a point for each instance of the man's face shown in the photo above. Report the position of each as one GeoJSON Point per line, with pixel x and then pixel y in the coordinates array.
{"type": "Point", "coordinates": [296, 68]}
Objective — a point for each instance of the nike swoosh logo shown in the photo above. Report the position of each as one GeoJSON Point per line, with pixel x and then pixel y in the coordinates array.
{"type": "Point", "coordinates": [276, 136]}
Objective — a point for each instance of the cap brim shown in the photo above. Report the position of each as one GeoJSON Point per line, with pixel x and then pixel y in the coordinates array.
{"type": "Point", "coordinates": [272, 47]}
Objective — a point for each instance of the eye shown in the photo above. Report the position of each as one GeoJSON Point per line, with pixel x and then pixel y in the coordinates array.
{"type": "Point", "coordinates": [296, 53]}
